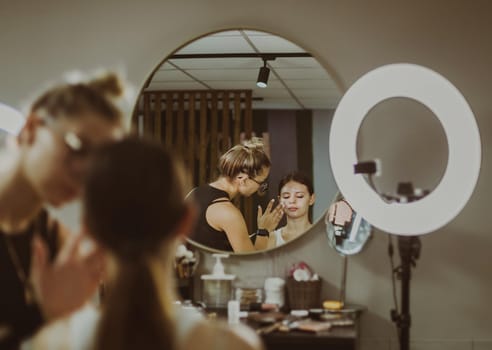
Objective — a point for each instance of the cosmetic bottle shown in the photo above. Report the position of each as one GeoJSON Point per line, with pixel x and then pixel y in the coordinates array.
{"type": "Point", "coordinates": [217, 286]}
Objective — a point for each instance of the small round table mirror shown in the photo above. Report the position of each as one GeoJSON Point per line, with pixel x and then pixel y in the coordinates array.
{"type": "Point", "coordinates": [347, 233]}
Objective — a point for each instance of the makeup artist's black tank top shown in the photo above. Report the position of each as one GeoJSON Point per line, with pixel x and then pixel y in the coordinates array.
{"type": "Point", "coordinates": [18, 317]}
{"type": "Point", "coordinates": [205, 196]}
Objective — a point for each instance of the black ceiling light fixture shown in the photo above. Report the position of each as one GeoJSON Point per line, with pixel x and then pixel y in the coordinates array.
{"type": "Point", "coordinates": [262, 80]}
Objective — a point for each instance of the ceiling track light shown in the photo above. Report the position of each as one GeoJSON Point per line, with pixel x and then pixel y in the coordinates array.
{"type": "Point", "coordinates": [262, 80]}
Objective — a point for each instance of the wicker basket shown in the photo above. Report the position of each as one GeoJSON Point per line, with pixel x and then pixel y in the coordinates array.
{"type": "Point", "coordinates": [303, 294]}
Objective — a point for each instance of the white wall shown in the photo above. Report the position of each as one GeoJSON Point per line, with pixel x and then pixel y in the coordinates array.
{"type": "Point", "coordinates": [452, 283]}
{"type": "Point", "coordinates": [323, 181]}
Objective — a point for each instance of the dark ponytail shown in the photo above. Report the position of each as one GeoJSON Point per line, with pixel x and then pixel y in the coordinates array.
{"type": "Point", "coordinates": [135, 316]}
{"type": "Point", "coordinates": [133, 202]}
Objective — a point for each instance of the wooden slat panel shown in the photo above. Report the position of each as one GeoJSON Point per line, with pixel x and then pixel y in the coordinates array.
{"type": "Point", "coordinates": [248, 115]}
{"type": "Point", "coordinates": [202, 158]}
{"type": "Point", "coordinates": [191, 136]}
{"type": "Point", "coordinates": [180, 123]}
{"type": "Point", "coordinates": [226, 115]}
{"type": "Point", "coordinates": [199, 156]}
{"type": "Point", "coordinates": [213, 136]}
{"type": "Point", "coordinates": [169, 120]}
{"type": "Point", "coordinates": [157, 116]}
{"type": "Point", "coordinates": [237, 118]}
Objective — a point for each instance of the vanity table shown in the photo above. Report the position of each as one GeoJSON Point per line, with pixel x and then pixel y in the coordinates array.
{"type": "Point", "coordinates": [344, 337]}
{"type": "Point", "coordinates": [337, 338]}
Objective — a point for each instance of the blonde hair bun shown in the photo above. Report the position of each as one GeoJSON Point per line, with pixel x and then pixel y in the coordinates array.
{"type": "Point", "coordinates": [248, 157]}
{"type": "Point", "coordinates": [255, 143]}
{"type": "Point", "coordinates": [108, 84]}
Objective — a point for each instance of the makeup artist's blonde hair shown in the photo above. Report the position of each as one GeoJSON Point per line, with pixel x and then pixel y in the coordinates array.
{"type": "Point", "coordinates": [71, 100]}
{"type": "Point", "coordinates": [248, 157]}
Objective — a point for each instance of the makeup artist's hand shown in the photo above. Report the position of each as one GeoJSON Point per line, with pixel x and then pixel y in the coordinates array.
{"type": "Point", "coordinates": [271, 217]}
{"type": "Point", "coordinates": [66, 284]}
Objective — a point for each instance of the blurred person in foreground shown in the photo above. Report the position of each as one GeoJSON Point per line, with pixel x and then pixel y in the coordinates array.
{"type": "Point", "coordinates": [43, 276]}
{"type": "Point", "coordinates": [134, 207]}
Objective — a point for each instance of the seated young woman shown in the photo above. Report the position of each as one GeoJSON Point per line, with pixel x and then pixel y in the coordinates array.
{"type": "Point", "coordinates": [296, 196]}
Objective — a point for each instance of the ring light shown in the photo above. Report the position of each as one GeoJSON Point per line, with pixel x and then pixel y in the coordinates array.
{"type": "Point", "coordinates": [464, 151]}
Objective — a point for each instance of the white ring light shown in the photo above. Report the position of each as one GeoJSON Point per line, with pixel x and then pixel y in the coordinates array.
{"type": "Point", "coordinates": [463, 138]}
{"type": "Point", "coordinates": [11, 120]}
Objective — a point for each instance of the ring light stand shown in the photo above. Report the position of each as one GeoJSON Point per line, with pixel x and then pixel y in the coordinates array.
{"type": "Point", "coordinates": [409, 248]}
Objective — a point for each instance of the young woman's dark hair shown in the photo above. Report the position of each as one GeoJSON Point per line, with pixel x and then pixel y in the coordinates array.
{"type": "Point", "coordinates": [299, 177]}
{"type": "Point", "coordinates": [133, 202]}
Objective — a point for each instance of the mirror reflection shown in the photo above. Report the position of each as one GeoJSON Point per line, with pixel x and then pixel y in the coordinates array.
{"type": "Point", "coordinates": [205, 98]}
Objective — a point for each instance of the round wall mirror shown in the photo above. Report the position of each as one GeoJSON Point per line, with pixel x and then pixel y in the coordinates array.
{"type": "Point", "coordinates": [225, 87]}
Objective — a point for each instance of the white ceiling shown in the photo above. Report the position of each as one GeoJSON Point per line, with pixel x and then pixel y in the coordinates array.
{"type": "Point", "coordinates": [294, 82]}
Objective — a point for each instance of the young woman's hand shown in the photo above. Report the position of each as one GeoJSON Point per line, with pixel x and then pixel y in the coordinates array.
{"type": "Point", "coordinates": [66, 284]}
{"type": "Point", "coordinates": [271, 217]}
